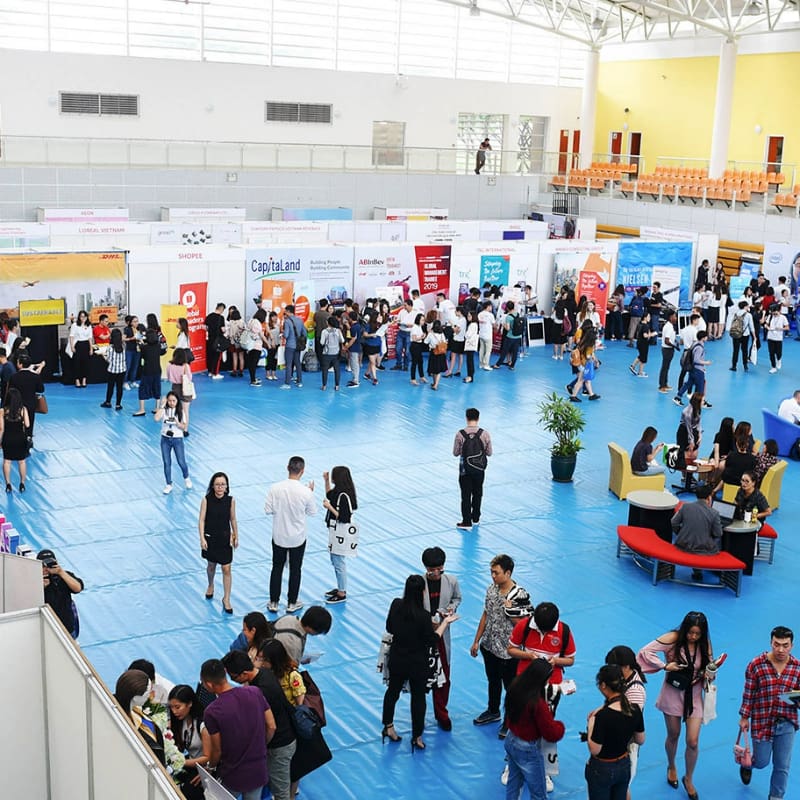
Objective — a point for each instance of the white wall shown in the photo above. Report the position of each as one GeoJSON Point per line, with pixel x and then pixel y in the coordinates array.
{"type": "Point", "coordinates": [225, 102]}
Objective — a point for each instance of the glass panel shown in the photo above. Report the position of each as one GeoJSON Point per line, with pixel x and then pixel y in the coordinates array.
{"type": "Point", "coordinates": [428, 34]}
{"type": "Point", "coordinates": [388, 141]}
{"type": "Point", "coordinates": [472, 130]}
{"type": "Point", "coordinates": [302, 34]}
{"type": "Point", "coordinates": [367, 35]}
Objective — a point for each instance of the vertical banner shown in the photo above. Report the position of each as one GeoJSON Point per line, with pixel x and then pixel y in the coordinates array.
{"type": "Point", "coordinates": [194, 297]}
{"type": "Point", "coordinates": [170, 314]}
{"type": "Point", "coordinates": [276, 295]}
{"type": "Point", "coordinates": [495, 270]}
{"type": "Point", "coordinates": [433, 269]}
{"type": "Point", "coordinates": [587, 274]}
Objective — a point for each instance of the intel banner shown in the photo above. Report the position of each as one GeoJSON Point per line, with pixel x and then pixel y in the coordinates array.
{"type": "Point", "coordinates": [329, 267]}
{"type": "Point", "coordinates": [782, 258]}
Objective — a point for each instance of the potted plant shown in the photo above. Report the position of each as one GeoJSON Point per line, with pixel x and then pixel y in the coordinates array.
{"type": "Point", "coordinates": [564, 419]}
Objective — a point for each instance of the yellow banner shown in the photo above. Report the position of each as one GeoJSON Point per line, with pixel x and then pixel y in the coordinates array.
{"type": "Point", "coordinates": [42, 312]}
{"type": "Point", "coordinates": [170, 314]}
{"type": "Point", "coordinates": [97, 311]}
{"type": "Point", "coordinates": [26, 267]}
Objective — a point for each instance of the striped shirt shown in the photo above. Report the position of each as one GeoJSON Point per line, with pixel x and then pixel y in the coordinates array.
{"type": "Point", "coordinates": [116, 361]}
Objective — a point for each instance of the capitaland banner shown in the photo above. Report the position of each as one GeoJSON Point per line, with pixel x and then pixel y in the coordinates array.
{"type": "Point", "coordinates": [82, 280]}
{"type": "Point", "coordinates": [194, 298]}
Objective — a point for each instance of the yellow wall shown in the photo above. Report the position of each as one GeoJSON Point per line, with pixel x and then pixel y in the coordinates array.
{"type": "Point", "coordinates": [671, 102]}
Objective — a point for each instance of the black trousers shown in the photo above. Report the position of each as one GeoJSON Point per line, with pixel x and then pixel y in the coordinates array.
{"type": "Point", "coordinates": [743, 344]}
{"type": "Point", "coordinates": [416, 360]}
{"type": "Point", "coordinates": [666, 359]}
{"type": "Point", "coordinates": [251, 361]}
{"type": "Point", "coordinates": [499, 674]}
{"type": "Point", "coordinates": [775, 351]}
{"type": "Point", "coordinates": [471, 496]}
{"type": "Point", "coordinates": [279, 556]}
{"type": "Point", "coordinates": [114, 379]}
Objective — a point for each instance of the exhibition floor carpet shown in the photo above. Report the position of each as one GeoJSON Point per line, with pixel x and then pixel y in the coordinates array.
{"type": "Point", "coordinates": [94, 496]}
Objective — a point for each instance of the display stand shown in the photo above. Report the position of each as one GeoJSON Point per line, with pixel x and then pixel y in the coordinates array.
{"type": "Point", "coordinates": [536, 330]}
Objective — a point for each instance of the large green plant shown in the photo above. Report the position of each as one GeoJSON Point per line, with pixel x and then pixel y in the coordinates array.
{"type": "Point", "coordinates": [559, 416]}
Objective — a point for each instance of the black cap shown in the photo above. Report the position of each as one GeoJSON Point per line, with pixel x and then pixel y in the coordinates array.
{"type": "Point", "coordinates": [45, 554]}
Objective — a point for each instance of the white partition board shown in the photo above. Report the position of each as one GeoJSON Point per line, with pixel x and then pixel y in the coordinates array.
{"type": "Point", "coordinates": [20, 583]}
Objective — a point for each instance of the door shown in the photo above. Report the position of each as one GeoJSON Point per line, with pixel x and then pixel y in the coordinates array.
{"type": "Point", "coordinates": [774, 153]}
{"type": "Point", "coordinates": [634, 150]}
{"type": "Point", "coordinates": [576, 149]}
{"type": "Point", "coordinates": [615, 145]}
{"type": "Point", "coordinates": [563, 151]}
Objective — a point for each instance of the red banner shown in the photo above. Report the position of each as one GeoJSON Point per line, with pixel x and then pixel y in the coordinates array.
{"type": "Point", "coordinates": [193, 299]}
{"type": "Point", "coordinates": [433, 268]}
{"type": "Point", "coordinates": [593, 283]}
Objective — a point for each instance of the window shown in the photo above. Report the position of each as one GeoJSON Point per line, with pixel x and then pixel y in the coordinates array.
{"type": "Point", "coordinates": [531, 143]}
{"type": "Point", "coordinates": [388, 141]}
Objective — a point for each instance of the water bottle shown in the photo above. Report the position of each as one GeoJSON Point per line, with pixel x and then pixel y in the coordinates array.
{"type": "Point", "coordinates": [711, 669]}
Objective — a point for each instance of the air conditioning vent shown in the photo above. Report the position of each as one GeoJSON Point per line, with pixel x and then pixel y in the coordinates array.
{"type": "Point", "coordinates": [114, 105]}
{"type": "Point", "coordinates": [298, 112]}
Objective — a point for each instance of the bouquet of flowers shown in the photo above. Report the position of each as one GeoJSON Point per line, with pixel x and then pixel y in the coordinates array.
{"type": "Point", "coordinates": [160, 716]}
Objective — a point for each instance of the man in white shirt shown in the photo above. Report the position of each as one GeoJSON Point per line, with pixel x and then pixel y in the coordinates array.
{"type": "Point", "coordinates": [789, 409]}
{"type": "Point", "coordinates": [290, 502]}
{"type": "Point", "coordinates": [668, 342]}
{"type": "Point", "coordinates": [446, 309]}
{"type": "Point", "coordinates": [485, 334]}
{"type": "Point", "coordinates": [418, 304]}
{"type": "Point", "coordinates": [402, 348]}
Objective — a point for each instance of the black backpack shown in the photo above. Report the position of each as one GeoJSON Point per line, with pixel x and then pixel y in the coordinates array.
{"type": "Point", "coordinates": [517, 326]}
{"type": "Point", "coordinates": [687, 357]}
{"type": "Point", "coordinates": [301, 335]}
{"type": "Point", "coordinates": [473, 453]}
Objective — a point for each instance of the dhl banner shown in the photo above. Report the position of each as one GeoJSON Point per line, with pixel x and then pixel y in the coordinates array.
{"type": "Point", "coordinates": [170, 314]}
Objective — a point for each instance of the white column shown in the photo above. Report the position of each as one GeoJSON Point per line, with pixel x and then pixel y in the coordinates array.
{"type": "Point", "coordinates": [589, 107]}
{"type": "Point", "coordinates": [722, 110]}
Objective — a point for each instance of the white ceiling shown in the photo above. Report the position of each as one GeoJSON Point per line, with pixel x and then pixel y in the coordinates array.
{"type": "Point", "coordinates": [599, 22]}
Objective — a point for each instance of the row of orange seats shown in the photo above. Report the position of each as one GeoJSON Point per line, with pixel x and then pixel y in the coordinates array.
{"type": "Point", "coordinates": [694, 190]}
{"type": "Point", "coordinates": [789, 200]}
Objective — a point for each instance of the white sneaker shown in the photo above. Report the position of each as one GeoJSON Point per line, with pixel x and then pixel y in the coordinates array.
{"type": "Point", "coordinates": [773, 370]}
{"type": "Point", "coordinates": [292, 607]}
{"type": "Point", "coordinates": [168, 488]}
{"type": "Point", "coordinates": [126, 386]}
{"type": "Point", "coordinates": [548, 784]}
{"type": "Point", "coordinates": [188, 483]}
{"type": "Point", "coordinates": [216, 377]}
{"type": "Point", "coordinates": [285, 386]}
{"type": "Point", "coordinates": [272, 607]}
{"type": "Point", "coordinates": [778, 363]}
{"type": "Point", "coordinates": [504, 776]}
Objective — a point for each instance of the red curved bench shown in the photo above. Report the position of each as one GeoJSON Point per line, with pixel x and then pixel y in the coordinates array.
{"type": "Point", "coordinates": [662, 558]}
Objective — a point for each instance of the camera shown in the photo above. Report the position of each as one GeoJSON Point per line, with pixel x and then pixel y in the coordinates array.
{"type": "Point", "coordinates": [170, 434]}
{"type": "Point", "coordinates": [50, 562]}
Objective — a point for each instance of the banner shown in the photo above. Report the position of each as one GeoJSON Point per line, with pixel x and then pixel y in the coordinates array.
{"type": "Point", "coordinates": [782, 258]}
{"type": "Point", "coordinates": [635, 262]}
{"type": "Point", "coordinates": [588, 274]}
{"type": "Point", "coordinates": [384, 264]}
{"type": "Point", "coordinates": [42, 312]}
{"type": "Point", "coordinates": [83, 280]}
{"type": "Point", "coordinates": [194, 298]}
{"type": "Point", "coordinates": [433, 269]}
{"type": "Point", "coordinates": [98, 311]}
{"type": "Point", "coordinates": [494, 270]}
{"type": "Point", "coordinates": [276, 295]}
{"type": "Point", "coordinates": [170, 314]}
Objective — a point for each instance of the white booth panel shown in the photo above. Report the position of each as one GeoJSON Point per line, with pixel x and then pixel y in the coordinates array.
{"type": "Point", "coordinates": [20, 583]}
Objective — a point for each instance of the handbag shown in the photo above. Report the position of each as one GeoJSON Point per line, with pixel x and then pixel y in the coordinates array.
{"type": "Point", "coordinates": [680, 679]}
{"type": "Point", "coordinates": [187, 388]}
{"type": "Point", "coordinates": [575, 358]}
{"type": "Point", "coordinates": [313, 698]}
{"type": "Point", "coordinates": [741, 752]}
{"type": "Point", "coordinates": [222, 343]}
{"type": "Point", "coordinates": [342, 538]}
{"type": "Point", "coordinates": [41, 404]}
{"type": "Point", "coordinates": [710, 703]}
{"type": "Point", "coordinates": [189, 355]}
{"type": "Point", "coordinates": [440, 348]}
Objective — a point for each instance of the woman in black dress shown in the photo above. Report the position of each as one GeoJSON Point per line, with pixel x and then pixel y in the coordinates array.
{"type": "Point", "coordinates": [413, 636]}
{"type": "Point", "coordinates": [14, 424]}
{"type": "Point", "coordinates": [219, 535]}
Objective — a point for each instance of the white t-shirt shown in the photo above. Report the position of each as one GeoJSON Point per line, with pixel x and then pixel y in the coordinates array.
{"type": "Point", "coordinates": [461, 324]}
{"type": "Point", "coordinates": [447, 312]}
{"type": "Point", "coordinates": [290, 502]}
{"type": "Point", "coordinates": [486, 325]}
{"type": "Point", "coordinates": [80, 333]}
{"type": "Point", "coordinates": [406, 319]}
{"type": "Point", "coordinates": [689, 335]}
{"type": "Point", "coordinates": [789, 409]}
{"type": "Point", "coordinates": [668, 335]}
{"type": "Point", "coordinates": [418, 306]}
{"type": "Point", "coordinates": [775, 327]}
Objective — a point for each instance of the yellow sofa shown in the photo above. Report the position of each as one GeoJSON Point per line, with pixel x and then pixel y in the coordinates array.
{"type": "Point", "coordinates": [621, 479]}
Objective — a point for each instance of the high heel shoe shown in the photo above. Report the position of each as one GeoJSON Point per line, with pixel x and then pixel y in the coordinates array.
{"type": "Point", "coordinates": [673, 782]}
{"type": "Point", "coordinates": [391, 734]}
{"type": "Point", "coordinates": [22, 487]}
{"type": "Point", "coordinates": [417, 744]}
{"type": "Point", "coordinates": [692, 795]}
{"type": "Point", "coordinates": [8, 488]}
{"type": "Point", "coordinates": [227, 609]}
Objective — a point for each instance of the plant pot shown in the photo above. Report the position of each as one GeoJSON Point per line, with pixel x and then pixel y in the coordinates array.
{"type": "Point", "coordinates": [563, 467]}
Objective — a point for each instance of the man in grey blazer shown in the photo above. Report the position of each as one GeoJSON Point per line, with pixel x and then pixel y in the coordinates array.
{"type": "Point", "coordinates": [442, 598]}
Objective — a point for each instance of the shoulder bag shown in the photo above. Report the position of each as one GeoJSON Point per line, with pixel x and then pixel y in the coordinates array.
{"type": "Point", "coordinates": [342, 537]}
{"type": "Point", "coordinates": [187, 387]}
{"type": "Point", "coordinates": [41, 404]}
{"type": "Point", "coordinates": [741, 752]}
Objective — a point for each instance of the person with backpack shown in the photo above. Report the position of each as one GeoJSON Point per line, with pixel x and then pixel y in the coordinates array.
{"type": "Point", "coordinates": [694, 362]}
{"type": "Point", "coordinates": [636, 310]}
{"type": "Point", "coordinates": [514, 326]}
{"type": "Point", "coordinates": [472, 446]}
{"type": "Point", "coordinates": [294, 339]}
{"type": "Point", "coordinates": [741, 329]}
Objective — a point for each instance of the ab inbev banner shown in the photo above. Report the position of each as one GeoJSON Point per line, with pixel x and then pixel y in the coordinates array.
{"type": "Point", "coordinates": [410, 266]}
{"type": "Point", "coordinates": [782, 258]}
{"type": "Point", "coordinates": [329, 268]}
{"type": "Point", "coordinates": [500, 264]}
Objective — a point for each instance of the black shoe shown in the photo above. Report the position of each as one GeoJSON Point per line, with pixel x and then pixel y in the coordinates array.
{"type": "Point", "coordinates": [105, 405]}
{"type": "Point", "coordinates": [396, 368]}
{"type": "Point", "coordinates": [697, 575]}
{"type": "Point", "coordinates": [732, 369]}
{"type": "Point", "coordinates": [485, 717]}
{"type": "Point", "coordinates": [22, 487]}
{"type": "Point", "coordinates": [503, 732]}
{"type": "Point", "coordinates": [8, 488]}
{"type": "Point", "coordinates": [745, 773]}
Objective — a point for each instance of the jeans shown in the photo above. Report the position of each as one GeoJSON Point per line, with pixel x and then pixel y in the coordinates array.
{"type": "Point", "coordinates": [293, 358]}
{"type": "Point", "coordinates": [279, 761]}
{"type": "Point", "coordinates": [132, 359]}
{"type": "Point", "coordinates": [326, 363]}
{"type": "Point", "coordinates": [525, 766]}
{"type": "Point", "coordinates": [510, 348]}
{"type": "Point", "coordinates": [691, 383]}
{"type": "Point", "coordinates": [354, 360]}
{"type": "Point", "coordinates": [471, 496]}
{"type": "Point", "coordinates": [499, 673]}
{"type": "Point", "coordinates": [484, 352]}
{"type": "Point", "coordinates": [170, 444]}
{"type": "Point", "coordinates": [666, 359]}
{"type": "Point", "coordinates": [608, 780]}
{"type": "Point", "coordinates": [279, 556]}
{"type": "Point", "coordinates": [402, 348]}
{"type": "Point", "coordinates": [251, 794]}
{"type": "Point", "coordinates": [779, 749]}
{"type": "Point", "coordinates": [652, 469]}
{"type": "Point", "coordinates": [743, 344]}
{"type": "Point", "coordinates": [340, 568]}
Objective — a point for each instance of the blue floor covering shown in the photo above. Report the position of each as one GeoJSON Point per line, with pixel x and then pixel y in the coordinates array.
{"type": "Point", "coordinates": [94, 496]}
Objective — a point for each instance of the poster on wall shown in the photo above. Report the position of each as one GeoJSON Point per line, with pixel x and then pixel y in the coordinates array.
{"type": "Point", "coordinates": [495, 270]}
{"type": "Point", "coordinates": [782, 258]}
{"type": "Point", "coordinates": [587, 274]}
{"type": "Point", "coordinates": [501, 264]}
{"type": "Point", "coordinates": [328, 267]}
{"type": "Point", "coordinates": [276, 295]}
{"type": "Point", "coordinates": [169, 316]}
{"type": "Point", "coordinates": [636, 260]}
{"type": "Point", "coordinates": [83, 280]}
{"type": "Point", "coordinates": [194, 298]}
{"type": "Point", "coordinates": [670, 280]}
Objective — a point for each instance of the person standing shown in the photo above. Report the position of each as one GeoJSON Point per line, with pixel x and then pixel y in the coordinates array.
{"type": "Point", "coordinates": [14, 423]}
{"type": "Point", "coordinates": [28, 380]}
{"type": "Point", "coordinates": [486, 324]}
{"type": "Point", "coordinates": [59, 587]}
{"type": "Point", "coordinates": [441, 598]}
{"type": "Point", "coordinates": [340, 502]}
{"type": "Point", "coordinates": [697, 371]}
{"type": "Point", "coordinates": [514, 326]}
{"type": "Point", "coordinates": [293, 339]}
{"type": "Point", "coordinates": [173, 430]}
{"type": "Point", "coordinates": [491, 638]}
{"type": "Point", "coordinates": [80, 345]}
{"type": "Point", "coordinates": [219, 535]}
{"type": "Point", "coordinates": [321, 316]}
{"type": "Point", "coordinates": [771, 721]}
{"type": "Point", "coordinates": [215, 325]}
{"type": "Point", "coordinates": [115, 367]}
{"type": "Point", "coordinates": [776, 325]}
{"type": "Point", "coordinates": [331, 343]}
{"type": "Point", "coordinates": [742, 332]}
{"type": "Point", "coordinates": [405, 322]}
{"type": "Point", "coordinates": [668, 345]}
{"type": "Point", "coordinates": [289, 502]}
{"type": "Point", "coordinates": [480, 156]}
{"type": "Point", "coordinates": [472, 446]}
{"type": "Point", "coordinates": [240, 725]}
{"type": "Point", "coordinates": [150, 383]}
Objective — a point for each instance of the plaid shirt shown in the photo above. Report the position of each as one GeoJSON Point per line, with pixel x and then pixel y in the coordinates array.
{"type": "Point", "coordinates": [760, 701]}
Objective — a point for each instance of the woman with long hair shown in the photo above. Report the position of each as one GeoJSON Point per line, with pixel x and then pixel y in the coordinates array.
{"type": "Point", "coordinates": [80, 344]}
{"type": "Point", "coordinates": [437, 361]}
{"type": "Point", "coordinates": [471, 339]}
{"type": "Point", "coordinates": [643, 457]}
{"type": "Point", "coordinates": [131, 337]}
{"type": "Point", "coordinates": [686, 652]}
{"type": "Point", "coordinates": [272, 336]}
{"type": "Point", "coordinates": [219, 535]}
{"type": "Point", "coordinates": [235, 327]}
{"type": "Point", "coordinates": [529, 719]}
{"type": "Point", "coordinates": [176, 370]}
{"type": "Point", "coordinates": [150, 384]}
{"type": "Point", "coordinates": [586, 364]}
{"type": "Point", "coordinates": [340, 503]}
{"type": "Point", "coordinates": [183, 342]}
{"type": "Point", "coordinates": [723, 444]}
{"type": "Point", "coordinates": [633, 685]}
{"type": "Point", "coordinates": [616, 303]}
{"type": "Point", "coordinates": [609, 730]}
{"type": "Point", "coordinates": [256, 630]}
{"type": "Point", "coordinates": [252, 341]}
{"type": "Point", "coordinates": [689, 433]}
{"type": "Point", "coordinates": [412, 639]}
{"type": "Point", "coordinates": [170, 416]}
{"type": "Point", "coordinates": [417, 349]}
{"type": "Point", "coordinates": [740, 459]}
{"type": "Point", "coordinates": [643, 336]}
{"type": "Point", "coordinates": [14, 424]}
{"type": "Point", "coordinates": [190, 737]}
{"type": "Point", "coordinates": [561, 326]}
{"type": "Point", "coordinates": [115, 366]}
{"type": "Point", "coordinates": [132, 692]}
{"type": "Point", "coordinates": [371, 348]}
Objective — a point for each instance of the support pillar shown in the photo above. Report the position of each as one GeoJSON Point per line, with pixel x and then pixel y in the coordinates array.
{"type": "Point", "coordinates": [721, 131]}
{"type": "Point", "coordinates": [589, 107]}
